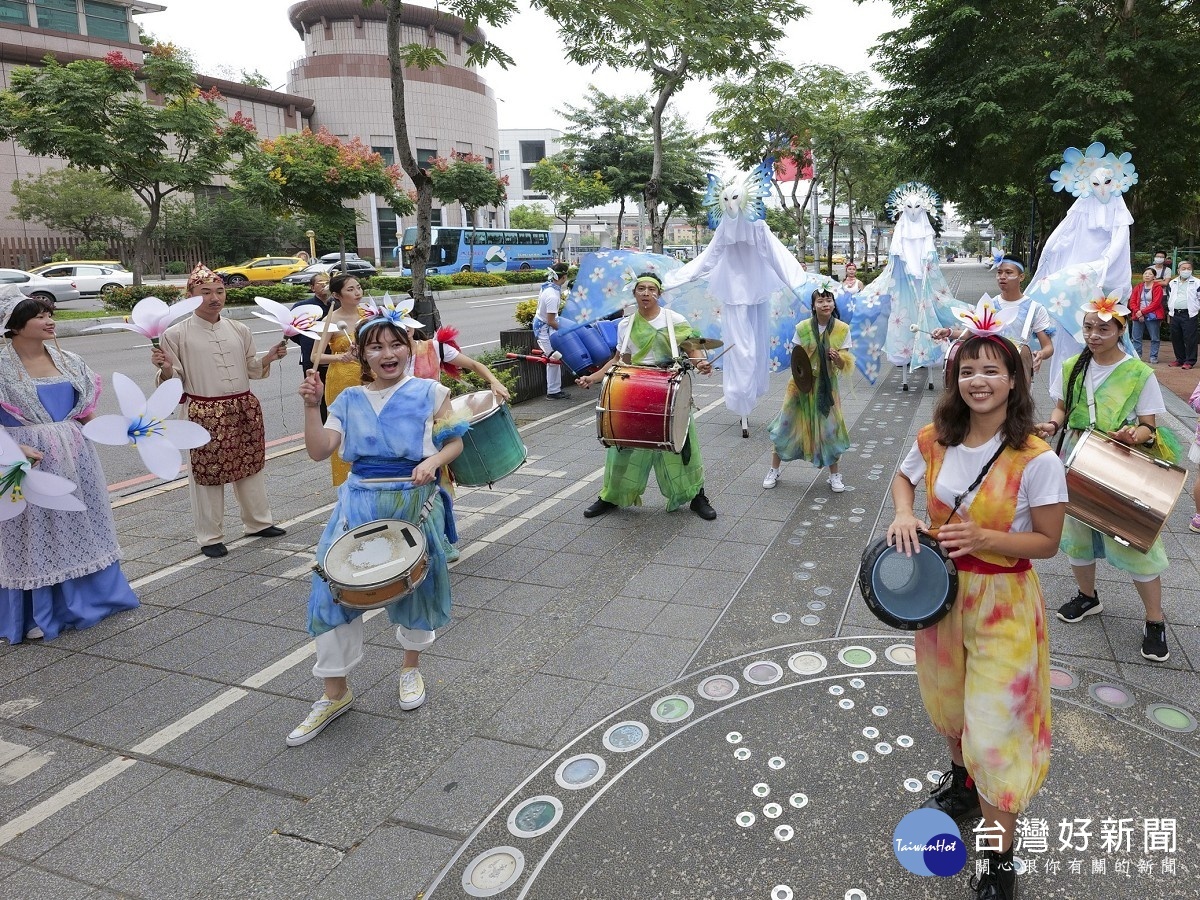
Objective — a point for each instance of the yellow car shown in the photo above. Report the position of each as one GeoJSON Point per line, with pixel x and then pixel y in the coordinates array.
{"type": "Point", "coordinates": [264, 268]}
{"type": "Point", "coordinates": [839, 259]}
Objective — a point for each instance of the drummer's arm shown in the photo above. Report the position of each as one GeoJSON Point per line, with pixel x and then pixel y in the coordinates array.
{"type": "Point", "coordinates": [961, 538]}
{"type": "Point", "coordinates": [1056, 423]}
{"type": "Point", "coordinates": [318, 440]}
{"type": "Point", "coordinates": [1045, 352]}
{"type": "Point", "coordinates": [902, 533]}
{"type": "Point", "coordinates": [425, 472]}
{"type": "Point", "coordinates": [588, 380]}
{"type": "Point", "coordinates": [474, 365]}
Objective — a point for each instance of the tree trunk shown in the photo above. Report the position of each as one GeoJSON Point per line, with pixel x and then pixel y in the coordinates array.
{"type": "Point", "coordinates": [669, 80]}
{"type": "Point", "coordinates": [141, 243]}
{"type": "Point", "coordinates": [425, 309]}
{"type": "Point", "coordinates": [800, 214]}
{"type": "Point", "coordinates": [471, 215]}
{"type": "Point", "coordinates": [621, 223]}
{"type": "Point", "coordinates": [850, 226]}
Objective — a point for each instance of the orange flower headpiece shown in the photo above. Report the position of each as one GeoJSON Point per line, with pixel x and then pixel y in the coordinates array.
{"type": "Point", "coordinates": [1106, 308]}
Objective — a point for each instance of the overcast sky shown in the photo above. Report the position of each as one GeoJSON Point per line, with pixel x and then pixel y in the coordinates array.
{"type": "Point", "coordinates": [256, 35]}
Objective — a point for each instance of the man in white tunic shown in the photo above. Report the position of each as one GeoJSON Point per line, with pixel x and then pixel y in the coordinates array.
{"type": "Point", "coordinates": [215, 359]}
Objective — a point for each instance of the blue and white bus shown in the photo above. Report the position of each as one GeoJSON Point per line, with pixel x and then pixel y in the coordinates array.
{"type": "Point", "coordinates": [493, 250]}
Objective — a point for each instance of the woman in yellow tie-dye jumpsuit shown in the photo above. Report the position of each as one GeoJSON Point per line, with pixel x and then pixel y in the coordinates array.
{"type": "Point", "coordinates": [983, 670]}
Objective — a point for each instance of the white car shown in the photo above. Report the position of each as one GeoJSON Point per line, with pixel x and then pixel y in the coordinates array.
{"type": "Point", "coordinates": [91, 279]}
{"type": "Point", "coordinates": [56, 290]}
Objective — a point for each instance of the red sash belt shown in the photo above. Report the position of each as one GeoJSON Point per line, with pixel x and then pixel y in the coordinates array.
{"type": "Point", "coordinates": [974, 564]}
{"type": "Point", "coordinates": [213, 399]}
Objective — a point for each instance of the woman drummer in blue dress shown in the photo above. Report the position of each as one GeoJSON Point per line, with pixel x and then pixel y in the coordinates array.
{"type": "Point", "coordinates": [392, 426]}
{"type": "Point", "coordinates": [998, 494]}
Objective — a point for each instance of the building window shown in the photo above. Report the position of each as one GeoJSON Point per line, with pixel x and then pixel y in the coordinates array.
{"type": "Point", "coordinates": [104, 20]}
{"type": "Point", "coordinates": [504, 156]}
{"type": "Point", "coordinates": [389, 230]}
{"type": "Point", "coordinates": [424, 155]}
{"type": "Point", "coordinates": [388, 154]}
{"type": "Point", "coordinates": [14, 11]}
{"type": "Point", "coordinates": [435, 217]}
{"type": "Point", "coordinates": [533, 151]}
{"type": "Point", "coordinates": [59, 15]}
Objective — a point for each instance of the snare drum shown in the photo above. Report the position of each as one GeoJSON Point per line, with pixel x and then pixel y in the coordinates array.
{"type": "Point", "coordinates": [375, 564]}
{"type": "Point", "coordinates": [492, 447]}
{"type": "Point", "coordinates": [909, 592]}
{"type": "Point", "coordinates": [1120, 491]}
{"type": "Point", "coordinates": [644, 408]}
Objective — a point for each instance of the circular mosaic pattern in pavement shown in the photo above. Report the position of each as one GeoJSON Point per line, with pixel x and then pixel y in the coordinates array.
{"type": "Point", "coordinates": [755, 773]}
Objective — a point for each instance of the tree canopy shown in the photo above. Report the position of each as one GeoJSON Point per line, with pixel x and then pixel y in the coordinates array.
{"type": "Point", "coordinates": [983, 109]}
{"type": "Point", "coordinates": [673, 43]}
{"type": "Point", "coordinates": [94, 114]}
{"type": "Point", "coordinates": [567, 188]}
{"type": "Point", "coordinates": [469, 182]}
{"type": "Point", "coordinates": [525, 216]}
{"type": "Point", "coordinates": [79, 201]}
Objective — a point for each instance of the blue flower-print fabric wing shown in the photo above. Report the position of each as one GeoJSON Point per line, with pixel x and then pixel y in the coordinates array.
{"type": "Point", "coordinates": [604, 283]}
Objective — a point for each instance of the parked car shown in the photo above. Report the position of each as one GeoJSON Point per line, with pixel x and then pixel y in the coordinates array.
{"type": "Point", "coordinates": [357, 267]}
{"type": "Point", "coordinates": [260, 269]}
{"type": "Point", "coordinates": [56, 290]}
{"type": "Point", "coordinates": [107, 263]}
{"type": "Point", "coordinates": [336, 257]}
{"type": "Point", "coordinates": [92, 279]}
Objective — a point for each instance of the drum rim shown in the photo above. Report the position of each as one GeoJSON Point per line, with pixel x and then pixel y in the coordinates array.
{"type": "Point", "coordinates": [870, 559]}
{"type": "Point", "coordinates": [332, 581]}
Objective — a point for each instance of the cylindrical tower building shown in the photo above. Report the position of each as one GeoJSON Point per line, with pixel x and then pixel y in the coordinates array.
{"type": "Point", "coordinates": [450, 108]}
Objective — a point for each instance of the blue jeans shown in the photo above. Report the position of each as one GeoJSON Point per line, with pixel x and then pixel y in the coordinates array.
{"type": "Point", "coordinates": [1146, 326]}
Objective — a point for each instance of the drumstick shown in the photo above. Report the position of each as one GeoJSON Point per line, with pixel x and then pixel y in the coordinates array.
{"type": "Point", "coordinates": [405, 479]}
{"type": "Point", "coordinates": [915, 330]}
{"type": "Point", "coordinates": [324, 342]}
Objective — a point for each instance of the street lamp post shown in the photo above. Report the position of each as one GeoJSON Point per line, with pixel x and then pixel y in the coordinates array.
{"type": "Point", "coordinates": [312, 244]}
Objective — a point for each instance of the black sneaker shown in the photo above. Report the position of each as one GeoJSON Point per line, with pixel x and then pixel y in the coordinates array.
{"type": "Point", "coordinates": [702, 508]}
{"type": "Point", "coordinates": [1080, 607]}
{"type": "Point", "coordinates": [599, 508]}
{"type": "Point", "coordinates": [952, 796]}
{"type": "Point", "coordinates": [1154, 644]}
{"type": "Point", "coordinates": [558, 395]}
{"type": "Point", "coordinates": [999, 880]}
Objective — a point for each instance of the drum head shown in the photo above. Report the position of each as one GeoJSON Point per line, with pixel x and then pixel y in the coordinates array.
{"type": "Point", "coordinates": [373, 554]}
{"type": "Point", "coordinates": [909, 592]}
{"type": "Point", "coordinates": [681, 411]}
{"type": "Point", "coordinates": [477, 405]}
{"type": "Point", "coordinates": [802, 372]}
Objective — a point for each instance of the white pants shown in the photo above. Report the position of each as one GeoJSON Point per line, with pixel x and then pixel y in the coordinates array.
{"type": "Point", "coordinates": [208, 507]}
{"type": "Point", "coordinates": [341, 649]}
{"type": "Point", "coordinates": [553, 373]}
{"type": "Point", "coordinates": [747, 362]}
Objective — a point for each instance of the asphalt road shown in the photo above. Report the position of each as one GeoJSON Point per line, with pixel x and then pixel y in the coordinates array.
{"type": "Point", "coordinates": [479, 320]}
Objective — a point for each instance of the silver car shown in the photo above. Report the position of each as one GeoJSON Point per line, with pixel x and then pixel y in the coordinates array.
{"type": "Point", "coordinates": [92, 280]}
{"type": "Point", "coordinates": [56, 290]}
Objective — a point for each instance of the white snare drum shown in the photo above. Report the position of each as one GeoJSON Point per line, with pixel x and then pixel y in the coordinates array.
{"type": "Point", "coordinates": [1120, 491]}
{"type": "Point", "coordinates": [375, 564]}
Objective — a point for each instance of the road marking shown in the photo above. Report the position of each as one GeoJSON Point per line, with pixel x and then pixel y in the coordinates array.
{"type": "Point", "coordinates": [14, 828]}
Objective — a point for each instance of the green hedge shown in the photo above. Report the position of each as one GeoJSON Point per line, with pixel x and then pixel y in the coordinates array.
{"type": "Point", "coordinates": [280, 293]}
{"type": "Point", "coordinates": [402, 284]}
{"type": "Point", "coordinates": [122, 299]}
{"type": "Point", "coordinates": [478, 279]}
{"type": "Point", "coordinates": [502, 367]}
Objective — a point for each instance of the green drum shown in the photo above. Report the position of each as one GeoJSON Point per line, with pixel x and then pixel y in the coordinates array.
{"type": "Point", "coordinates": [492, 448]}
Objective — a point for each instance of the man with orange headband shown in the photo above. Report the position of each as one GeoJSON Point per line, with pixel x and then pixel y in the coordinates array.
{"type": "Point", "coordinates": [645, 339]}
{"type": "Point", "coordinates": [215, 359]}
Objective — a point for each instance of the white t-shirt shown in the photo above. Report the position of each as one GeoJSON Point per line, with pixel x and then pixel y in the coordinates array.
{"type": "Point", "coordinates": [1043, 483]}
{"type": "Point", "coordinates": [1040, 322]}
{"type": "Point", "coordinates": [548, 302]}
{"type": "Point", "coordinates": [1150, 402]}
{"type": "Point", "coordinates": [659, 321]}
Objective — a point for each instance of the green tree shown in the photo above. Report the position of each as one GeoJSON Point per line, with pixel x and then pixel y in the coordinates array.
{"type": "Point", "coordinates": [568, 189]}
{"type": "Point", "coordinates": [983, 115]}
{"type": "Point", "coordinates": [813, 116]}
{"type": "Point", "coordinates": [82, 202]}
{"type": "Point", "coordinates": [95, 114]}
{"type": "Point", "coordinates": [673, 43]}
{"type": "Point", "coordinates": [469, 182]}
{"type": "Point", "coordinates": [972, 242]}
{"type": "Point", "coordinates": [424, 56]}
{"type": "Point", "coordinates": [313, 174]}
{"type": "Point", "coordinates": [525, 216]}
{"type": "Point", "coordinates": [230, 226]}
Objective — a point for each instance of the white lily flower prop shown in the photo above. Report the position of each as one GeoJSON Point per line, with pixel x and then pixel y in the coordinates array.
{"type": "Point", "coordinates": [292, 321]}
{"type": "Point", "coordinates": [396, 313]}
{"type": "Point", "coordinates": [1107, 307]}
{"type": "Point", "coordinates": [22, 485]}
{"type": "Point", "coordinates": [151, 316]}
{"type": "Point", "coordinates": [986, 318]}
{"type": "Point", "coordinates": [147, 425]}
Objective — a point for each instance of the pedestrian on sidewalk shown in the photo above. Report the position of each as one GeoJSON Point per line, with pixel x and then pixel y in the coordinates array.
{"type": "Point", "coordinates": [1148, 312]}
{"type": "Point", "coordinates": [1106, 389]}
{"type": "Point", "coordinates": [1185, 311]}
{"type": "Point", "coordinates": [214, 358]}
{"type": "Point", "coordinates": [546, 321]}
{"type": "Point", "coordinates": [998, 494]}
{"type": "Point", "coordinates": [392, 425]}
{"type": "Point", "coordinates": [647, 337]}
{"type": "Point", "coordinates": [343, 369]}
{"type": "Point", "coordinates": [810, 425]}
{"type": "Point", "coordinates": [59, 569]}
{"type": "Point", "coordinates": [1162, 268]}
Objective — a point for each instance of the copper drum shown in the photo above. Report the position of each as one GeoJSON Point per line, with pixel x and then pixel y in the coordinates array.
{"type": "Point", "coordinates": [375, 564]}
{"type": "Point", "coordinates": [644, 408]}
{"type": "Point", "coordinates": [1120, 491]}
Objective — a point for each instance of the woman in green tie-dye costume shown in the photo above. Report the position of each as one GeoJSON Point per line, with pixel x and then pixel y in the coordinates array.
{"type": "Point", "coordinates": [644, 339]}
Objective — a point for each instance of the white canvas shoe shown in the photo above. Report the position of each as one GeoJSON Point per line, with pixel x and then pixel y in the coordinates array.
{"type": "Point", "coordinates": [772, 478]}
{"type": "Point", "coordinates": [835, 483]}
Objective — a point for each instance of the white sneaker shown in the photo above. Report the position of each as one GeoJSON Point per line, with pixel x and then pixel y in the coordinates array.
{"type": "Point", "coordinates": [835, 483]}
{"type": "Point", "coordinates": [34, 634]}
{"type": "Point", "coordinates": [323, 712]}
{"type": "Point", "coordinates": [412, 688]}
{"type": "Point", "coordinates": [772, 478]}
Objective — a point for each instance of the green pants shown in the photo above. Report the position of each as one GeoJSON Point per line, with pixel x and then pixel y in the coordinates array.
{"type": "Point", "coordinates": [627, 472]}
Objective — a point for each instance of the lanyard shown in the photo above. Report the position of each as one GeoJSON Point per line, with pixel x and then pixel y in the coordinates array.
{"type": "Point", "coordinates": [958, 498]}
